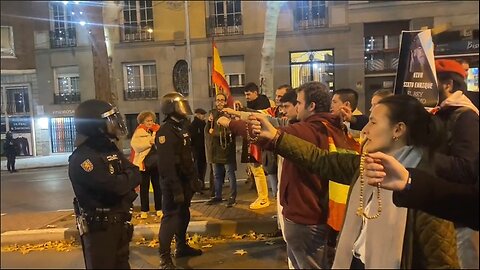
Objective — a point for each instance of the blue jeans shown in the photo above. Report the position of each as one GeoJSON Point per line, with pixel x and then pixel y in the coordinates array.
{"type": "Point", "coordinates": [219, 171]}
{"type": "Point", "coordinates": [273, 181]}
{"type": "Point", "coordinates": [307, 245]}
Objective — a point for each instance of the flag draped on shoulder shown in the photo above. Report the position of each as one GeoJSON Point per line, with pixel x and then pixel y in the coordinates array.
{"type": "Point", "coordinates": [218, 77]}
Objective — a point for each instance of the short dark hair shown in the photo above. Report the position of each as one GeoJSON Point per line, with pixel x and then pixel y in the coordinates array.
{"type": "Point", "coordinates": [200, 111]}
{"type": "Point", "coordinates": [458, 81]}
{"type": "Point", "coordinates": [287, 86]}
{"type": "Point", "coordinates": [348, 94]}
{"type": "Point", "coordinates": [290, 96]}
{"type": "Point", "coordinates": [317, 93]}
{"type": "Point", "coordinates": [383, 93]}
{"type": "Point", "coordinates": [251, 87]}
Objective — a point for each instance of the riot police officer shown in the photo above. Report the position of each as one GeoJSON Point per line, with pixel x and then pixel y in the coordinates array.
{"type": "Point", "coordinates": [103, 181]}
{"type": "Point", "coordinates": [178, 178]}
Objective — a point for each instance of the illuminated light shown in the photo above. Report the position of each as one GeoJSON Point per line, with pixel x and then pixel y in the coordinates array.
{"type": "Point", "coordinates": [82, 23]}
{"type": "Point", "coordinates": [65, 2]}
{"type": "Point", "coordinates": [73, 13]}
{"type": "Point", "coordinates": [150, 30]}
{"type": "Point", "coordinates": [76, 2]}
{"type": "Point", "coordinates": [43, 122]}
{"type": "Point", "coordinates": [81, 12]}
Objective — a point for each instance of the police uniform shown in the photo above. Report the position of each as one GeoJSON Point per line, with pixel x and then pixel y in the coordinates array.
{"type": "Point", "coordinates": [103, 181]}
{"type": "Point", "coordinates": [178, 180]}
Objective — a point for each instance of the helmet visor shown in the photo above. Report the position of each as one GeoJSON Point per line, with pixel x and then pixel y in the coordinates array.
{"type": "Point", "coordinates": [116, 125]}
{"type": "Point", "coordinates": [183, 108]}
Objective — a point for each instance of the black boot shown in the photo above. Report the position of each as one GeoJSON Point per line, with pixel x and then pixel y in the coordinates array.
{"type": "Point", "coordinates": [166, 261]}
{"type": "Point", "coordinates": [186, 251]}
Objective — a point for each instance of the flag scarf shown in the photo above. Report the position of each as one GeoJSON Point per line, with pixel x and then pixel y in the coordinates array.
{"type": "Point", "coordinates": [218, 77]}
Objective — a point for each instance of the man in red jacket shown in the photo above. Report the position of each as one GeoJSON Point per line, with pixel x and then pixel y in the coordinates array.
{"type": "Point", "coordinates": [303, 195]}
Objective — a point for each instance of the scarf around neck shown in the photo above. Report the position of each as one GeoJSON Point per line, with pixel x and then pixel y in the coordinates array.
{"type": "Point", "coordinates": [384, 235]}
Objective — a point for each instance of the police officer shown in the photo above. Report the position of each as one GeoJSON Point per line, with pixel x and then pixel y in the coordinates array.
{"type": "Point", "coordinates": [103, 181]}
{"type": "Point", "coordinates": [178, 178]}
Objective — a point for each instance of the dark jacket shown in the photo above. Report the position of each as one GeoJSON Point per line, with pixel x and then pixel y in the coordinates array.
{"type": "Point", "coordinates": [10, 147]}
{"type": "Point", "coordinates": [444, 199]}
{"type": "Point", "coordinates": [102, 177]}
{"type": "Point", "coordinates": [260, 103]}
{"type": "Point", "coordinates": [196, 131]}
{"type": "Point", "coordinates": [222, 142]}
{"type": "Point", "coordinates": [429, 242]}
{"type": "Point", "coordinates": [358, 122]}
{"type": "Point", "coordinates": [455, 161]}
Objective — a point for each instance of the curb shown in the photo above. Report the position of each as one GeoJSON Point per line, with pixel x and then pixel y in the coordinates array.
{"type": "Point", "coordinates": [210, 228]}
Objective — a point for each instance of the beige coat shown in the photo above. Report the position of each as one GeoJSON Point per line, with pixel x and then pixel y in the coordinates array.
{"type": "Point", "coordinates": [140, 144]}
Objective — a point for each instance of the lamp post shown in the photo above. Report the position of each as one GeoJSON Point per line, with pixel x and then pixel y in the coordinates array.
{"type": "Point", "coordinates": [189, 55]}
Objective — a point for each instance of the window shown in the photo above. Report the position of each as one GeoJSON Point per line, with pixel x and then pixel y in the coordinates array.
{"type": "Point", "coordinates": [67, 88]}
{"type": "Point", "coordinates": [140, 81]}
{"type": "Point", "coordinates": [8, 50]}
{"type": "Point", "coordinates": [62, 133]}
{"type": "Point", "coordinates": [137, 21]}
{"type": "Point", "coordinates": [310, 14]}
{"type": "Point", "coordinates": [225, 18]}
{"type": "Point", "coordinates": [62, 32]}
{"type": "Point", "coordinates": [312, 66]}
{"type": "Point", "coordinates": [17, 101]}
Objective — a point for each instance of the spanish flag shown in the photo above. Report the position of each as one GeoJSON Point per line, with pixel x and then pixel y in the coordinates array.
{"type": "Point", "coordinates": [218, 77]}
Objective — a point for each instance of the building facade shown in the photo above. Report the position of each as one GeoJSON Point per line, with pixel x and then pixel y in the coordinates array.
{"type": "Point", "coordinates": [350, 44]}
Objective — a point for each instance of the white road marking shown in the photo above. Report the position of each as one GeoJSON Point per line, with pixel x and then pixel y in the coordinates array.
{"type": "Point", "coordinates": [64, 210]}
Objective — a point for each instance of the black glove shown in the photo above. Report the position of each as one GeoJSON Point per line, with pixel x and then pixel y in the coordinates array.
{"type": "Point", "coordinates": [178, 195]}
{"type": "Point", "coordinates": [196, 185]}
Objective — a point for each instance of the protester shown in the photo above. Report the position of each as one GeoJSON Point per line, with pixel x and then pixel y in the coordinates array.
{"type": "Point", "coordinates": [222, 144]}
{"type": "Point", "coordinates": [10, 150]}
{"type": "Point", "coordinates": [344, 104]}
{"type": "Point", "coordinates": [103, 181]}
{"type": "Point", "coordinates": [417, 189]}
{"type": "Point", "coordinates": [178, 178]}
{"type": "Point", "coordinates": [456, 158]}
{"type": "Point", "coordinates": [378, 95]}
{"type": "Point", "coordinates": [394, 237]}
{"type": "Point", "coordinates": [197, 135]}
{"type": "Point", "coordinates": [304, 196]}
{"type": "Point", "coordinates": [143, 155]}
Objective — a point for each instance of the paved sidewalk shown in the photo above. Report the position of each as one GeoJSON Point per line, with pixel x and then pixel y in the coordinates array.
{"type": "Point", "coordinates": [212, 220]}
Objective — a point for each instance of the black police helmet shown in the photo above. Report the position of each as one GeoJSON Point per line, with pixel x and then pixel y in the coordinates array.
{"type": "Point", "coordinates": [175, 104]}
{"type": "Point", "coordinates": [95, 118]}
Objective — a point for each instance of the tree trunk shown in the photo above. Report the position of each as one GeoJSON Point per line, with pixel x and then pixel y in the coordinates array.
{"type": "Point", "coordinates": [111, 19]}
{"type": "Point", "coordinates": [268, 49]}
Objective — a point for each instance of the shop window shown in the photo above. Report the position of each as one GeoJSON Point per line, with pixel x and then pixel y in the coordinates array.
{"type": "Point", "coordinates": [306, 66]}
{"type": "Point", "coordinates": [62, 134]}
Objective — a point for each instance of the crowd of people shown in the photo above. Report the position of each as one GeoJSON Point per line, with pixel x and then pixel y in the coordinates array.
{"type": "Point", "coordinates": [395, 189]}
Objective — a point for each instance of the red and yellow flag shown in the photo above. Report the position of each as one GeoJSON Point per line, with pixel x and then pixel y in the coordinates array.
{"type": "Point", "coordinates": [218, 77]}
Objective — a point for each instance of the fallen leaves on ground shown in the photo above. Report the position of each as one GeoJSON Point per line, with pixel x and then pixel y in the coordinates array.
{"type": "Point", "coordinates": [60, 246]}
{"type": "Point", "coordinates": [240, 252]}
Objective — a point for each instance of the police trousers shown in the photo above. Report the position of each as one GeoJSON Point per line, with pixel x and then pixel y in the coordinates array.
{"type": "Point", "coordinates": [106, 246]}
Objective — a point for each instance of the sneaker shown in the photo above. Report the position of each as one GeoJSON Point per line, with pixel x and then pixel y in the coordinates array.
{"type": "Point", "coordinates": [159, 213]}
{"type": "Point", "coordinates": [214, 201]}
{"type": "Point", "coordinates": [231, 202]}
{"type": "Point", "coordinates": [187, 251]}
{"type": "Point", "coordinates": [259, 204]}
{"type": "Point", "coordinates": [143, 215]}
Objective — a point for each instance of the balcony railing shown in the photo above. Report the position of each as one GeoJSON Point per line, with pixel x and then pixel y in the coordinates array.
{"type": "Point", "coordinates": [214, 28]}
{"type": "Point", "coordinates": [63, 38]}
{"type": "Point", "coordinates": [66, 98]}
{"type": "Point", "coordinates": [140, 93]}
{"type": "Point", "coordinates": [136, 33]}
{"type": "Point", "coordinates": [310, 23]}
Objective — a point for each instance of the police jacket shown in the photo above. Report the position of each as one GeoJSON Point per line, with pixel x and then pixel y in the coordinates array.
{"type": "Point", "coordinates": [175, 160]}
{"type": "Point", "coordinates": [102, 177]}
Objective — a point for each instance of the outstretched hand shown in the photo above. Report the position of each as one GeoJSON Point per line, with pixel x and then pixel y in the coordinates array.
{"type": "Point", "coordinates": [386, 170]}
{"type": "Point", "coordinates": [223, 121]}
{"type": "Point", "coordinates": [346, 113]}
{"type": "Point", "coordinates": [261, 126]}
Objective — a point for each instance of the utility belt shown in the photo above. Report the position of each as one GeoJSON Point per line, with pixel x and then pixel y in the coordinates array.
{"type": "Point", "coordinates": [100, 219]}
{"type": "Point", "coordinates": [106, 218]}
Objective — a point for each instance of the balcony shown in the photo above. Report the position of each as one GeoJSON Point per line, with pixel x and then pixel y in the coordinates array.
{"type": "Point", "coordinates": [232, 25]}
{"type": "Point", "coordinates": [140, 94]}
{"type": "Point", "coordinates": [136, 33]}
{"type": "Point", "coordinates": [66, 98]}
{"type": "Point", "coordinates": [310, 23]}
{"type": "Point", "coordinates": [63, 38]}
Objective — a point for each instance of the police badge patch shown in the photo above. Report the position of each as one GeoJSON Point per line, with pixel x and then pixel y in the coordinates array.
{"type": "Point", "coordinates": [161, 139]}
{"type": "Point", "coordinates": [112, 170]}
{"type": "Point", "coordinates": [87, 165]}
